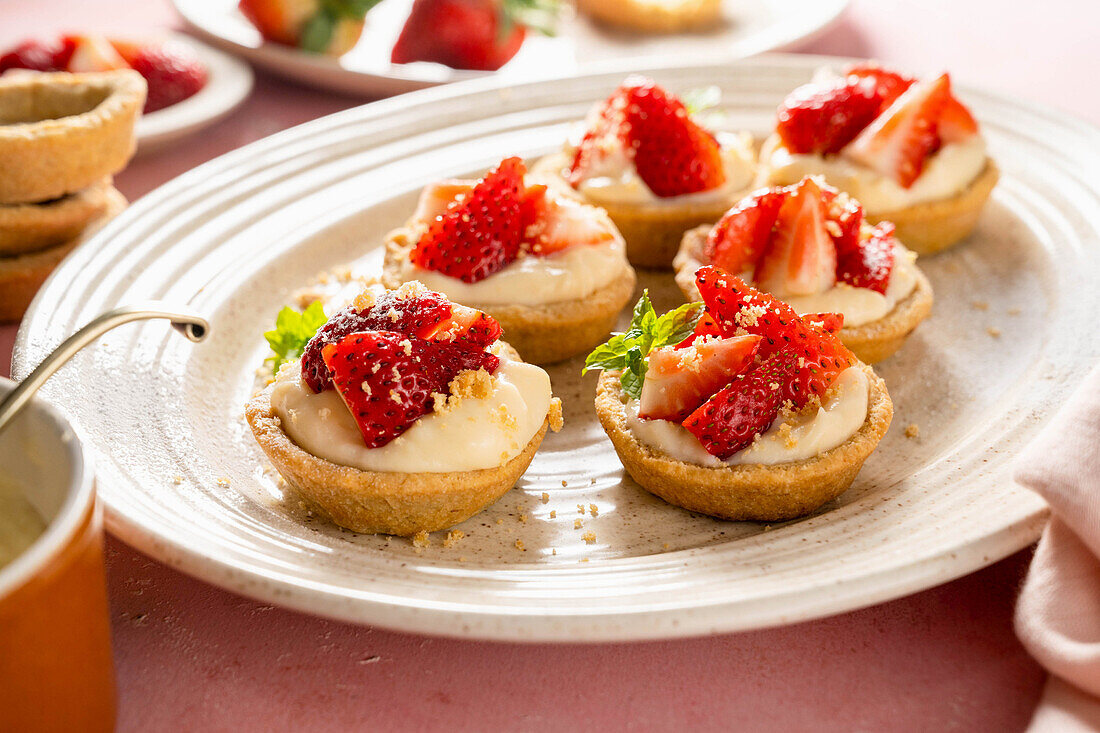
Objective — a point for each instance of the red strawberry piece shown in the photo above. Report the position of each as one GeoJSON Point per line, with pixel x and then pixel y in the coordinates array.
{"type": "Point", "coordinates": [738, 308]}
{"type": "Point", "coordinates": [889, 84]}
{"type": "Point", "coordinates": [387, 379]}
{"type": "Point", "coordinates": [462, 34]}
{"type": "Point", "coordinates": [847, 216]}
{"type": "Point", "coordinates": [172, 71]}
{"type": "Point", "coordinates": [741, 235]}
{"type": "Point", "coordinates": [482, 232]}
{"type": "Point", "coordinates": [829, 322]}
{"type": "Point", "coordinates": [704, 327]}
{"type": "Point", "coordinates": [673, 154]}
{"type": "Point", "coordinates": [422, 316]}
{"type": "Point", "coordinates": [606, 131]}
{"type": "Point", "coordinates": [37, 56]}
{"type": "Point", "coordinates": [956, 122]}
{"type": "Point", "coordinates": [897, 143]}
{"type": "Point", "coordinates": [469, 328]}
{"type": "Point", "coordinates": [560, 223]}
{"type": "Point", "coordinates": [869, 264]}
{"type": "Point", "coordinates": [679, 380]}
{"type": "Point", "coordinates": [91, 53]}
{"type": "Point", "coordinates": [800, 259]}
{"type": "Point", "coordinates": [731, 419]}
{"type": "Point", "coordinates": [823, 118]}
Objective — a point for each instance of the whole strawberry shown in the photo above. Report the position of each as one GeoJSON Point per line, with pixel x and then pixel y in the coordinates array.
{"type": "Point", "coordinates": [172, 72]}
{"type": "Point", "coordinates": [823, 118]}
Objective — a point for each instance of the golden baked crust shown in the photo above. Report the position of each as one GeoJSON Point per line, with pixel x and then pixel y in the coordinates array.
{"type": "Point", "coordinates": [542, 334]}
{"type": "Point", "coordinates": [654, 17]}
{"type": "Point", "coordinates": [22, 275]}
{"type": "Point", "coordinates": [652, 230]}
{"type": "Point", "coordinates": [382, 502]}
{"type": "Point", "coordinates": [60, 133]}
{"type": "Point", "coordinates": [749, 492]}
{"type": "Point", "coordinates": [925, 228]}
{"type": "Point", "coordinates": [28, 228]}
{"type": "Point", "coordinates": [871, 343]}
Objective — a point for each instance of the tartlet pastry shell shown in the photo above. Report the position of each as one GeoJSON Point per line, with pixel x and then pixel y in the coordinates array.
{"type": "Point", "coordinates": [925, 228]}
{"type": "Point", "coordinates": [652, 230]}
{"type": "Point", "coordinates": [28, 228]}
{"type": "Point", "coordinates": [542, 334]}
{"type": "Point", "coordinates": [22, 275]}
{"type": "Point", "coordinates": [653, 17]}
{"type": "Point", "coordinates": [382, 502]}
{"type": "Point", "coordinates": [746, 492]}
{"type": "Point", "coordinates": [871, 342]}
{"type": "Point", "coordinates": [60, 132]}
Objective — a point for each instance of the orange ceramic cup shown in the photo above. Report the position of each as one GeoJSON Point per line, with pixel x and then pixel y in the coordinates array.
{"type": "Point", "coordinates": [56, 672]}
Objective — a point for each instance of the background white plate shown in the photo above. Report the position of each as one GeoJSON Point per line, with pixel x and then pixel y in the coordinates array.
{"type": "Point", "coordinates": [236, 236]}
{"type": "Point", "coordinates": [749, 27]}
{"type": "Point", "coordinates": [228, 84]}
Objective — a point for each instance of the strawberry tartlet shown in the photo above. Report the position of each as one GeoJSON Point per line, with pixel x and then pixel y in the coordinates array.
{"type": "Point", "coordinates": [736, 407]}
{"type": "Point", "coordinates": [655, 169]}
{"type": "Point", "coordinates": [405, 413]}
{"type": "Point", "coordinates": [907, 149]}
{"type": "Point", "coordinates": [810, 245]}
{"type": "Point", "coordinates": [549, 268]}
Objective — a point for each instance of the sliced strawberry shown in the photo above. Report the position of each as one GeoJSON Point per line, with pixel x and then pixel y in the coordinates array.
{"type": "Point", "coordinates": [605, 134]}
{"type": "Point", "coordinates": [462, 34]}
{"type": "Point", "coordinates": [425, 316]}
{"type": "Point", "coordinates": [484, 231]}
{"type": "Point", "coordinates": [731, 419]}
{"type": "Point", "coordinates": [673, 155]}
{"type": "Point", "coordinates": [870, 264]}
{"type": "Point", "coordinates": [387, 379]}
{"type": "Point", "coordinates": [679, 380]}
{"type": "Point", "coordinates": [92, 53]}
{"type": "Point", "coordinates": [172, 71]}
{"type": "Point", "coordinates": [37, 56]}
{"type": "Point", "coordinates": [704, 327]}
{"type": "Point", "coordinates": [436, 197]}
{"type": "Point", "coordinates": [823, 118]}
{"type": "Point", "coordinates": [888, 84]}
{"type": "Point", "coordinates": [738, 308]}
{"type": "Point", "coordinates": [897, 143]}
{"type": "Point", "coordinates": [847, 216]}
{"type": "Point", "coordinates": [801, 257]}
{"type": "Point", "coordinates": [469, 327]}
{"type": "Point", "coordinates": [740, 237]}
{"type": "Point", "coordinates": [829, 322]}
{"type": "Point", "coordinates": [277, 20]}
{"type": "Point", "coordinates": [561, 223]}
{"type": "Point", "coordinates": [317, 26]}
{"type": "Point", "coordinates": [956, 123]}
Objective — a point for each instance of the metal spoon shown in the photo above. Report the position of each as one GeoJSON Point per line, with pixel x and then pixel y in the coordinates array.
{"type": "Point", "coordinates": [193, 327]}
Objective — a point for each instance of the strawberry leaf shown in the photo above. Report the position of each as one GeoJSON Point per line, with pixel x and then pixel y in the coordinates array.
{"type": "Point", "coordinates": [292, 332]}
{"type": "Point", "coordinates": [629, 351]}
{"type": "Point", "coordinates": [317, 31]}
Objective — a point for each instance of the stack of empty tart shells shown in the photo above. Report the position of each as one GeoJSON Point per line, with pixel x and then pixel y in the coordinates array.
{"type": "Point", "coordinates": [62, 137]}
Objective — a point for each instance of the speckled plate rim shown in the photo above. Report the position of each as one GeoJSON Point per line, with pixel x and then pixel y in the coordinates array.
{"type": "Point", "coordinates": [673, 617]}
{"type": "Point", "coordinates": [331, 73]}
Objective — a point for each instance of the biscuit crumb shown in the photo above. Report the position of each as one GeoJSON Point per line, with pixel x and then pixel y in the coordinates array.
{"type": "Point", "coordinates": [555, 416]}
{"type": "Point", "coordinates": [584, 559]}
{"type": "Point", "coordinates": [787, 435]}
{"type": "Point", "coordinates": [980, 304]}
{"type": "Point", "coordinates": [453, 537]}
{"type": "Point", "coordinates": [500, 521]}
{"type": "Point", "coordinates": [912, 430]}
{"type": "Point", "coordinates": [364, 300]}
{"type": "Point", "coordinates": [523, 518]}
{"type": "Point", "coordinates": [589, 538]}
{"type": "Point", "coordinates": [177, 479]}
{"type": "Point", "coordinates": [421, 539]}
{"type": "Point", "coordinates": [592, 482]}
{"type": "Point", "coordinates": [564, 483]}
{"type": "Point", "coordinates": [545, 498]}
{"type": "Point", "coordinates": [520, 547]}
{"type": "Point", "coordinates": [577, 524]}
{"type": "Point", "coordinates": [580, 508]}
{"type": "Point", "coordinates": [505, 418]}
{"type": "Point", "coordinates": [1014, 311]}
{"type": "Point", "coordinates": [553, 551]}
{"type": "Point", "coordinates": [462, 558]}
{"type": "Point", "coordinates": [593, 510]}
{"type": "Point", "coordinates": [993, 331]}
{"type": "Point", "coordinates": [665, 546]}
{"type": "Point", "coordinates": [553, 514]}
{"type": "Point", "coordinates": [223, 482]}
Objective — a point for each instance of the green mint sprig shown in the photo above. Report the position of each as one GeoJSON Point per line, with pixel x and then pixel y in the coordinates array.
{"type": "Point", "coordinates": [629, 351]}
{"type": "Point", "coordinates": [292, 332]}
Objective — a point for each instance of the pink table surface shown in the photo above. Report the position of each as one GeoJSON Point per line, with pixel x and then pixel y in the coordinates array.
{"type": "Point", "coordinates": [191, 656]}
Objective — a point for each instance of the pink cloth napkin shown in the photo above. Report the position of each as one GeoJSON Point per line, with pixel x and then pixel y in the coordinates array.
{"type": "Point", "coordinates": [1058, 613]}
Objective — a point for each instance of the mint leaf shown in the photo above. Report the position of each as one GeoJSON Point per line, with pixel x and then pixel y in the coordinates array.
{"type": "Point", "coordinates": [292, 332]}
{"type": "Point", "coordinates": [317, 31]}
{"type": "Point", "coordinates": [629, 351]}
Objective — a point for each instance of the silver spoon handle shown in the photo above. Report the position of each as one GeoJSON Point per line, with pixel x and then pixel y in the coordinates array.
{"type": "Point", "coordinates": [193, 326]}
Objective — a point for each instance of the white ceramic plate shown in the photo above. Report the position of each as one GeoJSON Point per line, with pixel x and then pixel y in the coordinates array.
{"type": "Point", "coordinates": [748, 27]}
{"type": "Point", "coordinates": [236, 236]}
{"type": "Point", "coordinates": [229, 83]}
